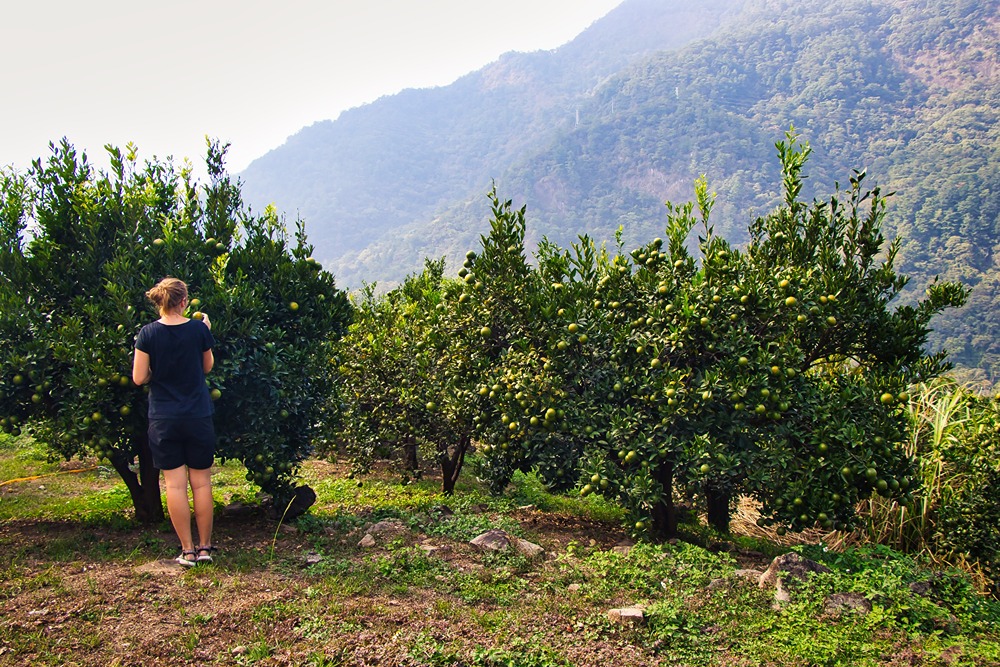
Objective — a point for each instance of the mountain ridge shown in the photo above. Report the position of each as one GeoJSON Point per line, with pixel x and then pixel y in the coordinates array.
{"type": "Point", "coordinates": [907, 90]}
{"type": "Point", "coordinates": [520, 95]}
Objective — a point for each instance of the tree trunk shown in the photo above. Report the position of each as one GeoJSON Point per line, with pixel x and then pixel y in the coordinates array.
{"type": "Point", "coordinates": [144, 488]}
{"type": "Point", "coordinates": [664, 512]}
{"type": "Point", "coordinates": [452, 459]}
{"type": "Point", "coordinates": [719, 502]}
{"type": "Point", "coordinates": [411, 462]}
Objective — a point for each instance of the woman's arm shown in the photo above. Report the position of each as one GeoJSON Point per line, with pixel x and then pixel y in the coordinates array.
{"type": "Point", "coordinates": [141, 373]}
{"type": "Point", "coordinates": [207, 358]}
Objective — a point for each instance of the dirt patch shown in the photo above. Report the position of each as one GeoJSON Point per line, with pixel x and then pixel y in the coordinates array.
{"type": "Point", "coordinates": [79, 596]}
{"type": "Point", "coordinates": [556, 531]}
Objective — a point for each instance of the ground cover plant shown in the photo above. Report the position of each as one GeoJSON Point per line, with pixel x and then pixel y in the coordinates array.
{"type": "Point", "coordinates": [85, 584]}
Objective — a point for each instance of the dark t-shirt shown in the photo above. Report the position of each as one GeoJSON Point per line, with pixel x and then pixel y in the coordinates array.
{"type": "Point", "coordinates": [177, 388]}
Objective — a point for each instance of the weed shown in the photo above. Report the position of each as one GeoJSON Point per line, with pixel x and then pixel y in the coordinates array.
{"type": "Point", "coordinates": [189, 640]}
{"type": "Point", "coordinates": [428, 650]}
{"type": "Point", "coordinates": [520, 654]}
{"type": "Point", "coordinates": [315, 629]}
{"type": "Point", "coordinates": [508, 560]}
{"type": "Point", "coordinates": [528, 489]}
{"type": "Point", "coordinates": [320, 659]}
{"type": "Point", "coordinates": [487, 612]}
{"type": "Point", "coordinates": [258, 651]}
{"type": "Point", "coordinates": [464, 527]}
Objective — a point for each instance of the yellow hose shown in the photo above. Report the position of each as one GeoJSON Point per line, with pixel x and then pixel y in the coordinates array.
{"type": "Point", "coordinates": [48, 474]}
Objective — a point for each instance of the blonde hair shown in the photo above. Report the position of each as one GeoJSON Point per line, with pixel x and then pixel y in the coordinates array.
{"type": "Point", "coordinates": [168, 294]}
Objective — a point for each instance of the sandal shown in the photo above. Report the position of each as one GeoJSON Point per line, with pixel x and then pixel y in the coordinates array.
{"type": "Point", "coordinates": [205, 553]}
{"type": "Point", "coordinates": [187, 558]}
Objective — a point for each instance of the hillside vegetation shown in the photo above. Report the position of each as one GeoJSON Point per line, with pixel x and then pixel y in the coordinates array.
{"type": "Point", "coordinates": [600, 132]}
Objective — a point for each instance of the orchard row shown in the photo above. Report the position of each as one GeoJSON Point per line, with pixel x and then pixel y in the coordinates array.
{"type": "Point", "coordinates": [778, 370]}
{"type": "Point", "coordinates": [681, 367]}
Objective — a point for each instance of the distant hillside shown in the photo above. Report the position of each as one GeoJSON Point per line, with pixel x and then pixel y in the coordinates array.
{"type": "Point", "coordinates": [403, 158]}
{"type": "Point", "coordinates": [600, 132]}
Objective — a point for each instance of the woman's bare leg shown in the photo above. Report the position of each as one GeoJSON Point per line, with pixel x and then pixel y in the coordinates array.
{"type": "Point", "coordinates": [178, 506]}
{"type": "Point", "coordinates": [204, 505]}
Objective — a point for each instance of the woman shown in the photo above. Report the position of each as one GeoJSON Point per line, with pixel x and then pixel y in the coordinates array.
{"type": "Point", "coordinates": [173, 354]}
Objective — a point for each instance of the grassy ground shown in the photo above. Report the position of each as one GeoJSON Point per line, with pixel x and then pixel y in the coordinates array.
{"type": "Point", "coordinates": [82, 584]}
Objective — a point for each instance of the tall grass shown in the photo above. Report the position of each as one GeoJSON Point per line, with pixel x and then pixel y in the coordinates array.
{"type": "Point", "coordinates": [937, 414]}
{"type": "Point", "coordinates": [947, 427]}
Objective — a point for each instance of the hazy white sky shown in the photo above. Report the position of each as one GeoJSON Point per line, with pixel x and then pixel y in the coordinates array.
{"type": "Point", "coordinates": [166, 74]}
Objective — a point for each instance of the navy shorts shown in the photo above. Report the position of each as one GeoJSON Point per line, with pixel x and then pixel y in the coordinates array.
{"type": "Point", "coordinates": [182, 442]}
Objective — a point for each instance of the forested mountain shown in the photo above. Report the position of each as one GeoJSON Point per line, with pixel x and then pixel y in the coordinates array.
{"type": "Point", "coordinates": [599, 132]}
{"type": "Point", "coordinates": [403, 158]}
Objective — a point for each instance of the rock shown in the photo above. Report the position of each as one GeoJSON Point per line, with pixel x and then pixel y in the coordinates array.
{"type": "Point", "coordinates": [383, 532]}
{"type": "Point", "coordinates": [715, 584]}
{"type": "Point", "coordinates": [781, 594]}
{"type": "Point", "coordinates": [312, 558]}
{"type": "Point", "coordinates": [492, 540]}
{"type": "Point", "coordinates": [500, 540]}
{"type": "Point", "coordinates": [236, 510]}
{"type": "Point", "coordinates": [933, 587]}
{"type": "Point", "coordinates": [442, 512]}
{"type": "Point", "coordinates": [785, 569]}
{"type": "Point", "coordinates": [435, 550]}
{"type": "Point", "coordinates": [388, 529]}
{"type": "Point", "coordinates": [529, 550]}
{"type": "Point", "coordinates": [302, 499]}
{"type": "Point", "coordinates": [790, 566]}
{"type": "Point", "coordinates": [840, 602]}
{"type": "Point", "coordinates": [949, 625]}
{"type": "Point", "coordinates": [633, 616]}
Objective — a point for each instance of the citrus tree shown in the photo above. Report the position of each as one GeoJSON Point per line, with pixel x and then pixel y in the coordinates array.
{"type": "Point", "coordinates": [778, 371]}
{"type": "Point", "coordinates": [535, 389]}
{"type": "Point", "coordinates": [79, 249]}
{"type": "Point", "coordinates": [410, 365]}
{"type": "Point", "coordinates": [516, 309]}
{"type": "Point", "coordinates": [374, 358]}
{"type": "Point", "coordinates": [437, 363]}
